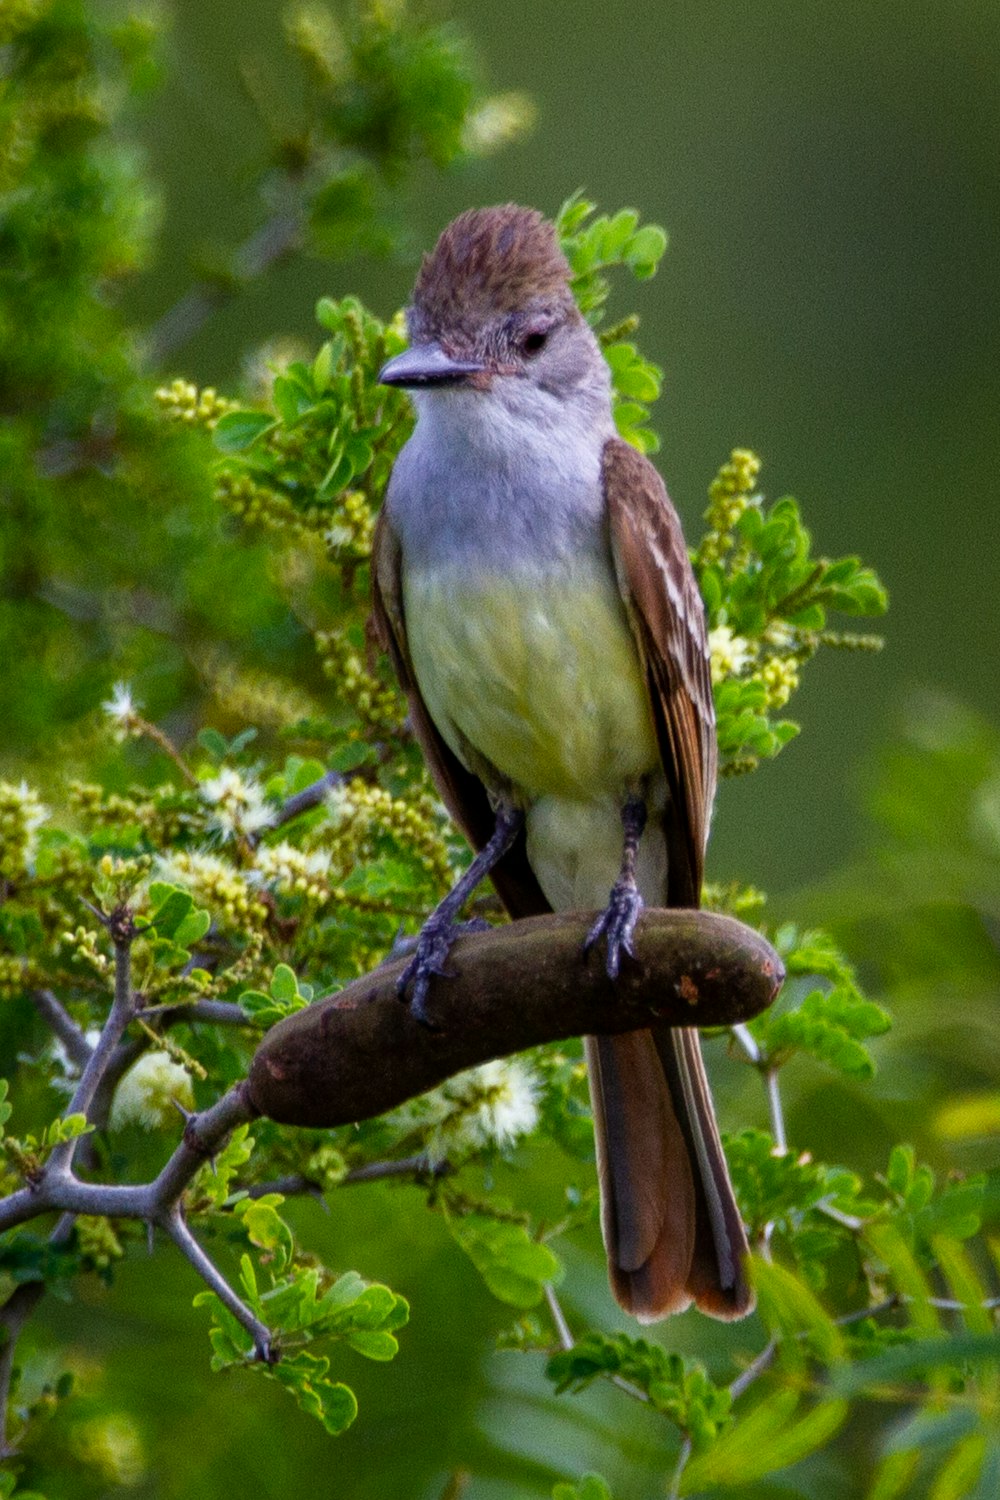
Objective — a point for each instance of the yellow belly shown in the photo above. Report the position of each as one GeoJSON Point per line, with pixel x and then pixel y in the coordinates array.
{"type": "Point", "coordinates": [539, 676]}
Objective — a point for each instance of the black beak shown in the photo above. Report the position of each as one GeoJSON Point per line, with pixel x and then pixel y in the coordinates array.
{"type": "Point", "coordinates": [427, 364]}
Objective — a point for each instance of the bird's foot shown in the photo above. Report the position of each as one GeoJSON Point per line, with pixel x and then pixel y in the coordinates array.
{"type": "Point", "coordinates": [434, 944]}
{"type": "Point", "coordinates": [617, 924]}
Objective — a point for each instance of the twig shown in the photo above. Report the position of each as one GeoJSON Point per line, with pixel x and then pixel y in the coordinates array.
{"type": "Point", "coordinates": [289, 1187]}
{"type": "Point", "coordinates": [769, 1073]}
{"type": "Point", "coordinates": [155, 733]}
{"type": "Point", "coordinates": [272, 242]}
{"type": "Point", "coordinates": [122, 929]}
{"type": "Point", "coordinates": [407, 1166]}
{"type": "Point", "coordinates": [14, 1313]}
{"type": "Point", "coordinates": [215, 1012]}
{"type": "Point", "coordinates": [173, 1223]}
{"type": "Point", "coordinates": [754, 1370]}
{"type": "Point", "coordinates": [559, 1318]}
{"type": "Point", "coordinates": [311, 796]}
{"type": "Point", "coordinates": [682, 1460]}
{"type": "Point", "coordinates": [775, 1109]}
{"type": "Point", "coordinates": [52, 1010]}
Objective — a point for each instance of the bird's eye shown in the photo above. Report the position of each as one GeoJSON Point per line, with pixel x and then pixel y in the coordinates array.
{"type": "Point", "coordinates": [535, 341]}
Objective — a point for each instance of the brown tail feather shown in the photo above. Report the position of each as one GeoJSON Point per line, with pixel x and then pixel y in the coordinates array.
{"type": "Point", "coordinates": [671, 1227]}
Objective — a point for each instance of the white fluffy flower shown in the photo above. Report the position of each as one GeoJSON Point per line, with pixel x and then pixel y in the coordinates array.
{"type": "Point", "coordinates": [491, 1105]}
{"type": "Point", "coordinates": [122, 709]}
{"type": "Point", "coordinates": [340, 803]}
{"type": "Point", "coordinates": [729, 653]}
{"type": "Point", "coordinates": [149, 1091]}
{"type": "Point", "coordinates": [238, 803]}
{"type": "Point", "coordinates": [291, 870]}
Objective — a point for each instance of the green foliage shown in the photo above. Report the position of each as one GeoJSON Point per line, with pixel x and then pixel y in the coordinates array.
{"type": "Point", "coordinates": [593, 247]}
{"type": "Point", "coordinates": [590, 1487]}
{"type": "Point", "coordinates": [284, 997]}
{"type": "Point", "coordinates": [830, 1024]}
{"type": "Point", "coordinates": [679, 1388]}
{"type": "Point", "coordinates": [303, 1304]}
{"type": "Point", "coordinates": [321, 456]}
{"type": "Point", "coordinates": [767, 600]}
{"type": "Point", "coordinates": [515, 1267]}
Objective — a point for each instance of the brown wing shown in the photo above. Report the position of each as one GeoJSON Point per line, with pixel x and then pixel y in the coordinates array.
{"type": "Point", "coordinates": [672, 1225]}
{"type": "Point", "coordinates": [668, 620]}
{"type": "Point", "coordinates": [462, 793]}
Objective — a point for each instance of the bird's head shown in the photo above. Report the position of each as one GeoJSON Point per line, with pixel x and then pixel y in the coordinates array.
{"type": "Point", "coordinates": [492, 312]}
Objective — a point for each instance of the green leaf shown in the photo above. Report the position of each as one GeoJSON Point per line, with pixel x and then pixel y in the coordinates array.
{"type": "Point", "coordinates": [214, 742]}
{"type": "Point", "coordinates": [589, 1487]}
{"type": "Point", "coordinates": [788, 1308]}
{"type": "Point", "coordinates": [304, 1376]}
{"type": "Point", "coordinates": [515, 1267]}
{"type": "Point", "coordinates": [239, 430]}
{"type": "Point", "coordinates": [192, 928]}
{"type": "Point", "coordinates": [171, 906]}
{"type": "Point", "coordinates": [216, 1176]}
{"type": "Point", "coordinates": [769, 1438]}
{"type": "Point", "coordinates": [646, 248]}
{"type": "Point", "coordinates": [284, 984]}
{"type": "Point", "coordinates": [374, 1345]}
{"type": "Point", "coordinates": [916, 1359]}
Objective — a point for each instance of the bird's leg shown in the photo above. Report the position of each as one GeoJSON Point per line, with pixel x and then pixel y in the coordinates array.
{"type": "Point", "coordinates": [441, 928]}
{"type": "Point", "coordinates": [617, 920]}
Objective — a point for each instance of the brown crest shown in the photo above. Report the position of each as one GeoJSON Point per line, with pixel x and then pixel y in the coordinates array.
{"type": "Point", "coordinates": [488, 260]}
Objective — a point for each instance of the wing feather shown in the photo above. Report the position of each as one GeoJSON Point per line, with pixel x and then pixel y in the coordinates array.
{"type": "Point", "coordinates": [668, 620]}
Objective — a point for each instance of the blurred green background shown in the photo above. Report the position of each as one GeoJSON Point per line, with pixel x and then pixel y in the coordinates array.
{"type": "Point", "coordinates": [829, 178]}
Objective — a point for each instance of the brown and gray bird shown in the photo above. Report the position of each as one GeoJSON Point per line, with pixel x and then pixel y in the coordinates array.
{"type": "Point", "coordinates": [533, 589]}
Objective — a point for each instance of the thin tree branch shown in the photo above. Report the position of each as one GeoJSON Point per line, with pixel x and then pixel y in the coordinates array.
{"type": "Point", "coordinates": [122, 929]}
{"type": "Point", "coordinates": [272, 242]}
{"type": "Point", "coordinates": [775, 1109]}
{"type": "Point", "coordinates": [682, 1461]}
{"type": "Point", "coordinates": [754, 1370]}
{"type": "Point", "coordinates": [407, 1166]}
{"type": "Point", "coordinates": [559, 1318]}
{"type": "Point", "coordinates": [311, 796]}
{"type": "Point", "coordinates": [215, 1012]}
{"type": "Point", "coordinates": [52, 1011]}
{"type": "Point", "coordinates": [173, 1223]}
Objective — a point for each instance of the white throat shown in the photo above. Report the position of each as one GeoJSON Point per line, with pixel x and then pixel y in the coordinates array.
{"type": "Point", "coordinates": [500, 475]}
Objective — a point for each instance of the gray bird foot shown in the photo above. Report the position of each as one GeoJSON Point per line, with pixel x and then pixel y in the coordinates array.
{"type": "Point", "coordinates": [617, 924]}
{"type": "Point", "coordinates": [434, 944]}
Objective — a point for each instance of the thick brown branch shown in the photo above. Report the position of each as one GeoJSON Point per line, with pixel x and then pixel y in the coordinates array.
{"type": "Point", "coordinates": [359, 1053]}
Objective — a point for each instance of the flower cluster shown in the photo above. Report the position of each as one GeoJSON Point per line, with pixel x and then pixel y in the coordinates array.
{"type": "Point", "coordinates": [376, 704]}
{"type": "Point", "coordinates": [150, 1092]}
{"type": "Point", "coordinates": [351, 533]}
{"type": "Point", "coordinates": [216, 884]}
{"type": "Point", "coordinates": [183, 402]}
{"type": "Point", "coordinates": [729, 494]}
{"type": "Point", "coordinates": [123, 711]}
{"type": "Point", "coordinates": [360, 808]}
{"type": "Point", "coordinates": [21, 815]}
{"type": "Point", "coordinates": [766, 600]}
{"type": "Point", "coordinates": [259, 504]}
{"type": "Point", "coordinates": [238, 806]}
{"type": "Point", "coordinates": [485, 1108]}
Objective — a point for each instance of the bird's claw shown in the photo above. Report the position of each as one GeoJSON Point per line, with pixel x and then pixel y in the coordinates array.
{"type": "Point", "coordinates": [617, 925]}
{"type": "Point", "coordinates": [433, 946]}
